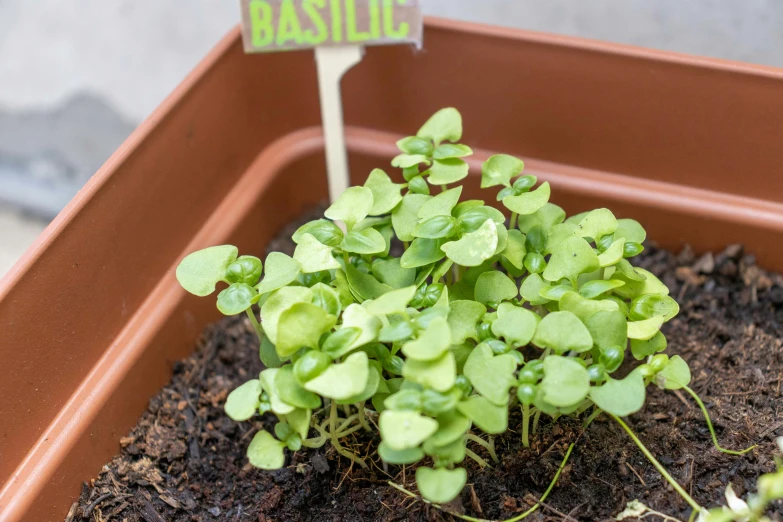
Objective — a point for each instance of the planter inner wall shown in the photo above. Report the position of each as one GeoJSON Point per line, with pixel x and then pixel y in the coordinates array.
{"type": "Point", "coordinates": [688, 146]}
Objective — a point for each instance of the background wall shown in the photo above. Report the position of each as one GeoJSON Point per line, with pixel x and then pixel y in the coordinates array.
{"type": "Point", "coordinates": [76, 76]}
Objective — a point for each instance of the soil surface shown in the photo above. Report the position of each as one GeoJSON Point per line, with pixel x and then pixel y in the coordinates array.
{"type": "Point", "coordinates": [185, 460]}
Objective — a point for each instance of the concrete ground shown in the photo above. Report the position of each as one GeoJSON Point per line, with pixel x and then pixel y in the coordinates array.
{"type": "Point", "coordinates": [76, 77]}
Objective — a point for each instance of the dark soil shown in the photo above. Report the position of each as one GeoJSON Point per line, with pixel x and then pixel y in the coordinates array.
{"type": "Point", "coordinates": [185, 460]}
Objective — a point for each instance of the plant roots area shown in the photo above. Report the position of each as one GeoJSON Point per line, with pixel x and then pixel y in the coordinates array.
{"type": "Point", "coordinates": [185, 459]}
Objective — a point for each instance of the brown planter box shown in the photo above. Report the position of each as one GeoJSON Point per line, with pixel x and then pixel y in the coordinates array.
{"type": "Point", "coordinates": [92, 318]}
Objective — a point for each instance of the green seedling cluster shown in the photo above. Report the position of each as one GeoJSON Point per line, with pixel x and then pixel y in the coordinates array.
{"type": "Point", "coordinates": [478, 315]}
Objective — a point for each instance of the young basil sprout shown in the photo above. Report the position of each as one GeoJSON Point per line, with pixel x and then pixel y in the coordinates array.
{"type": "Point", "coordinates": [480, 313]}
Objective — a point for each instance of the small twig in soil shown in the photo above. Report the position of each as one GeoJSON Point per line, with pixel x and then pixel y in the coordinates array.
{"type": "Point", "coordinates": [94, 504]}
{"type": "Point", "coordinates": [547, 507]}
{"type": "Point", "coordinates": [573, 511]}
{"type": "Point", "coordinates": [636, 473]}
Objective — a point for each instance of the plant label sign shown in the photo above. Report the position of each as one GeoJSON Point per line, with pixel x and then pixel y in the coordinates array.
{"type": "Point", "coordinates": [280, 25]}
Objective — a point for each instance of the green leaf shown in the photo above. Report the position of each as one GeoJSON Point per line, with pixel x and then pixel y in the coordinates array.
{"type": "Point", "coordinates": [474, 247]}
{"type": "Point", "coordinates": [491, 375]}
{"type": "Point", "coordinates": [531, 288]}
{"type": "Point", "coordinates": [493, 287]}
{"type": "Point", "coordinates": [415, 145]}
{"type": "Point", "coordinates": [451, 150]}
{"type": "Point", "coordinates": [343, 289]}
{"type": "Point", "coordinates": [608, 329]}
{"type": "Point", "coordinates": [464, 206]}
{"type": "Point", "coordinates": [291, 392]}
{"type": "Point", "coordinates": [404, 161]}
{"type": "Point", "coordinates": [422, 252]}
{"type": "Point", "coordinates": [393, 302]}
{"type": "Point", "coordinates": [585, 308]}
{"type": "Point", "coordinates": [488, 417]}
{"type": "Point", "coordinates": [342, 380]}
{"type": "Point", "coordinates": [473, 218]}
{"type": "Point", "coordinates": [650, 305]}
{"type": "Point", "coordinates": [515, 248]}
{"type": "Point", "coordinates": [405, 399]}
{"type": "Point", "coordinates": [327, 298]}
{"type": "Point", "coordinates": [647, 283]}
{"type": "Point", "coordinates": [405, 215]}
{"type": "Point", "coordinates": [366, 241]}
{"type": "Point", "coordinates": [566, 382]}
{"type": "Point", "coordinates": [499, 169]}
{"type": "Point", "coordinates": [352, 206]}
{"type": "Point", "coordinates": [447, 171]}
{"type": "Point", "coordinates": [439, 374]}
{"type": "Point", "coordinates": [641, 349]}
{"type": "Point", "coordinates": [440, 205]}
{"type": "Point", "coordinates": [417, 185]}
{"type": "Point", "coordinates": [299, 419]}
{"type": "Point", "coordinates": [556, 235]}
{"type": "Point", "coordinates": [278, 302]}
{"type": "Point", "coordinates": [268, 354]}
{"type": "Point", "coordinates": [402, 430]}
{"type": "Point", "coordinates": [373, 381]}
{"type": "Point", "coordinates": [364, 286]}
{"type": "Point", "coordinates": [396, 332]}
{"type": "Point", "coordinates": [322, 229]}
{"type": "Point", "coordinates": [389, 272]}
{"type": "Point", "coordinates": [631, 230]}
{"type": "Point", "coordinates": [436, 227]}
{"type": "Point", "coordinates": [463, 317]}
{"type": "Point", "coordinates": [246, 269]}
{"type": "Point", "coordinates": [515, 324]}
{"type": "Point", "coordinates": [399, 457]}
{"type": "Point", "coordinates": [314, 256]}
{"type": "Point", "coordinates": [572, 257]}
{"type": "Point", "coordinates": [613, 254]}
{"type": "Point", "coordinates": [356, 316]}
{"type": "Point", "coordinates": [385, 193]}
{"type": "Point", "coordinates": [431, 344]}
{"type": "Point", "coordinates": [265, 451]}
{"type": "Point", "coordinates": [267, 378]}
{"type": "Point", "coordinates": [236, 299]}
{"type": "Point", "coordinates": [528, 202]}
{"type": "Point", "coordinates": [645, 329]}
{"type": "Point", "coordinates": [546, 217]}
{"type": "Point", "coordinates": [440, 485]}
{"type": "Point", "coordinates": [281, 270]}
{"type": "Point", "coordinates": [554, 293]}
{"type": "Point", "coordinates": [596, 224]}
{"type": "Point", "coordinates": [596, 287]}
{"type": "Point", "coordinates": [620, 397]}
{"type": "Point", "coordinates": [301, 326]}
{"type": "Point", "coordinates": [562, 332]}
{"type": "Point", "coordinates": [342, 341]}
{"type": "Point", "coordinates": [675, 374]}
{"type": "Point", "coordinates": [452, 426]}
{"type": "Point", "coordinates": [444, 125]}
{"type": "Point", "coordinates": [200, 271]}
{"type": "Point", "coordinates": [243, 402]}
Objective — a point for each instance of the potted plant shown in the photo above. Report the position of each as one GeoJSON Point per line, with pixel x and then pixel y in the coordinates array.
{"type": "Point", "coordinates": [82, 376]}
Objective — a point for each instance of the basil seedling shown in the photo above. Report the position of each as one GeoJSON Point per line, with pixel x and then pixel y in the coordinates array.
{"type": "Point", "coordinates": [478, 315]}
